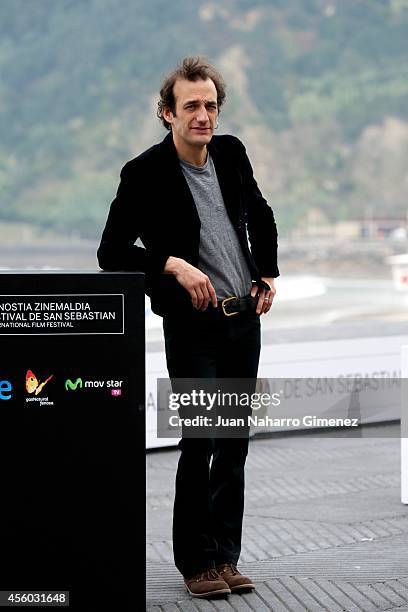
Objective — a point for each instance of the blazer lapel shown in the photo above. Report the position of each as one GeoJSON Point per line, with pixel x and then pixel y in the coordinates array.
{"type": "Point", "coordinates": [174, 175]}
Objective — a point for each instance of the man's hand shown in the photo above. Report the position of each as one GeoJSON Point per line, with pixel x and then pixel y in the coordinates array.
{"type": "Point", "coordinates": [194, 281]}
{"type": "Point", "coordinates": [265, 298]}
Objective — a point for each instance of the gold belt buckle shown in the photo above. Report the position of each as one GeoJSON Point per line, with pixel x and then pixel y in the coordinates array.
{"type": "Point", "coordinates": [224, 301]}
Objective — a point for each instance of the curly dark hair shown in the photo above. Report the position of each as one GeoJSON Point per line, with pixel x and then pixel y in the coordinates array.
{"type": "Point", "coordinates": [190, 69]}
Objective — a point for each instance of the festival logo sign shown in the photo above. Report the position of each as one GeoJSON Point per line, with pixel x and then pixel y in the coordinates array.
{"type": "Point", "coordinates": [71, 385]}
{"type": "Point", "coordinates": [114, 386]}
{"type": "Point", "coordinates": [61, 314]}
{"type": "Point", "coordinates": [5, 389]}
{"type": "Point", "coordinates": [34, 388]}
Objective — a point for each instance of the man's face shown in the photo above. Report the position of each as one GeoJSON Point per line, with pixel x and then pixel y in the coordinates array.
{"type": "Point", "coordinates": [195, 114]}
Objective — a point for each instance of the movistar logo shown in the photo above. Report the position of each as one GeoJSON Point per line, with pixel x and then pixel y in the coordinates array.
{"type": "Point", "coordinates": [73, 386]}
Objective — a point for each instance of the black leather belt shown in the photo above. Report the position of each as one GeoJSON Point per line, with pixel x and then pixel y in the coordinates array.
{"type": "Point", "coordinates": [231, 306]}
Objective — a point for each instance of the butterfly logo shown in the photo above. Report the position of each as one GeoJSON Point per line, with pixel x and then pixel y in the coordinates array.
{"type": "Point", "coordinates": [32, 383]}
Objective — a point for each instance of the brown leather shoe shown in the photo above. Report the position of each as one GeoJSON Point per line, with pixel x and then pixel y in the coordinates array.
{"type": "Point", "coordinates": [235, 580]}
{"type": "Point", "coordinates": [207, 584]}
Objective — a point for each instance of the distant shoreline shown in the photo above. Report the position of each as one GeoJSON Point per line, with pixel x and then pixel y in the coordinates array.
{"type": "Point", "coordinates": [348, 259]}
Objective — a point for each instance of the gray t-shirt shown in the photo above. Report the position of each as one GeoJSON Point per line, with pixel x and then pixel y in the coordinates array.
{"type": "Point", "coordinates": [220, 253]}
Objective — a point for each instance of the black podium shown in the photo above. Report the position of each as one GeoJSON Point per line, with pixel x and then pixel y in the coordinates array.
{"type": "Point", "coordinates": [72, 438]}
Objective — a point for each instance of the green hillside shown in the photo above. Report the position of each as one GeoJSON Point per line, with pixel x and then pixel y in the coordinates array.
{"type": "Point", "coordinates": [317, 90]}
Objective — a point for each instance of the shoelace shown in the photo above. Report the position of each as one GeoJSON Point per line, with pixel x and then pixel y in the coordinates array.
{"type": "Point", "coordinates": [208, 575]}
{"type": "Point", "coordinates": [232, 567]}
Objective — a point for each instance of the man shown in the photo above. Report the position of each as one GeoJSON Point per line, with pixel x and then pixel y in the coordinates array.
{"type": "Point", "coordinates": [193, 201]}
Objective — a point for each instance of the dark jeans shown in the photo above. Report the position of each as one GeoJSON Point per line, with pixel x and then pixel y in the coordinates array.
{"type": "Point", "coordinates": [209, 497]}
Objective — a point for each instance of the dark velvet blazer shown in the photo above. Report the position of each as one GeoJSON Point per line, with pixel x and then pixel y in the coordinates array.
{"type": "Point", "coordinates": [155, 204]}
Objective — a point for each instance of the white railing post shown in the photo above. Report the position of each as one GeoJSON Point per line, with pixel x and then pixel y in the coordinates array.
{"type": "Point", "coordinates": [404, 425]}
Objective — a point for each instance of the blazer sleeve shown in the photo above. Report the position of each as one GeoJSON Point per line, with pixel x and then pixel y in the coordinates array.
{"type": "Point", "coordinates": [125, 224]}
{"type": "Point", "coordinates": [261, 226]}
